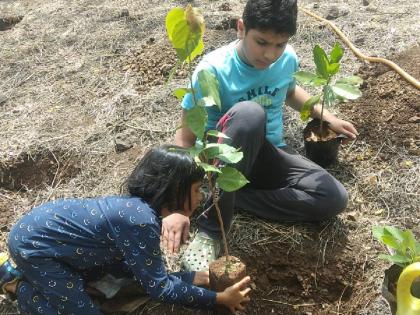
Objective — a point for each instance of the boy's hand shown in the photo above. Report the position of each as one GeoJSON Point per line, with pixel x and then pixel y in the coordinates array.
{"type": "Point", "coordinates": [343, 127]}
{"type": "Point", "coordinates": [175, 229]}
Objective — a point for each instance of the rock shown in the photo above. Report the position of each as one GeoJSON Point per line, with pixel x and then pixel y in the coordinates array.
{"type": "Point", "coordinates": [414, 119]}
{"type": "Point", "coordinates": [365, 2]}
{"type": "Point", "coordinates": [225, 7]}
{"type": "Point", "coordinates": [124, 13]}
{"type": "Point", "coordinates": [333, 13]}
{"type": "Point", "coordinates": [316, 5]}
{"type": "Point", "coordinates": [121, 146]}
{"type": "Point", "coordinates": [3, 99]}
{"type": "Point", "coordinates": [359, 41]}
{"type": "Point", "coordinates": [352, 216]}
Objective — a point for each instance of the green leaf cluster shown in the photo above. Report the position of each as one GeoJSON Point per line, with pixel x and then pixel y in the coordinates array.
{"type": "Point", "coordinates": [185, 29]}
{"type": "Point", "coordinates": [326, 68]}
{"type": "Point", "coordinates": [403, 243]}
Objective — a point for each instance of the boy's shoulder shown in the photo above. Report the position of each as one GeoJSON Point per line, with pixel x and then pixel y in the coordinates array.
{"type": "Point", "coordinates": [290, 52]}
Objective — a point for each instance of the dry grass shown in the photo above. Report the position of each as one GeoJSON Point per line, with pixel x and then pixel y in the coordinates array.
{"type": "Point", "coordinates": [62, 90]}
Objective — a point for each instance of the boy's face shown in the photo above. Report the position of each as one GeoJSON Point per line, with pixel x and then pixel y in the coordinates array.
{"type": "Point", "coordinates": [260, 48]}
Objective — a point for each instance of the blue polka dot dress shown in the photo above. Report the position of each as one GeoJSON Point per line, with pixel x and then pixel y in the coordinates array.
{"type": "Point", "coordinates": [56, 243]}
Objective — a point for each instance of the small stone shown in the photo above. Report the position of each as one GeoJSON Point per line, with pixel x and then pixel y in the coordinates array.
{"type": "Point", "coordinates": [316, 5]}
{"type": "Point", "coordinates": [121, 146]}
{"type": "Point", "coordinates": [352, 216]}
{"type": "Point", "coordinates": [414, 119]}
{"type": "Point", "coordinates": [365, 2]}
{"type": "Point", "coordinates": [124, 13]}
{"type": "Point", "coordinates": [225, 7]}
{"type": "Point", "coordinates": [333, 13]}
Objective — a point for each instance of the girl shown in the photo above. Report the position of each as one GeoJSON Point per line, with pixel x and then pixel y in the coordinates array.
{"type": "Point", "coordinates": [57, 242]}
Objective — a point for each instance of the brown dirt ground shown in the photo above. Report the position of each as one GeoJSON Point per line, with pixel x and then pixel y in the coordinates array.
{"type": "Point", "coordinates": [112, 87]}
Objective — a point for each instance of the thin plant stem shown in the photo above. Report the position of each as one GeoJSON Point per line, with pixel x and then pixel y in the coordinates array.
{"type": "Point", "coordinates": [322, 114]}
{"type": "Point", "coordinates": [212, 187]}
{"type": "Point", "coordinates": [219, 215]}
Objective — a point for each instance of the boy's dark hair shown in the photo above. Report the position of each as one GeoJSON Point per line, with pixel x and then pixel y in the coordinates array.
{"type": "Point", "coordinates": [271, 15]}
{"type": "Point", "coordinates": [163, 177]}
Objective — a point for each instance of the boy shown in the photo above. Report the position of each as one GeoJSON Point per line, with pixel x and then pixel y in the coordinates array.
{"type": "Point", "coordinates": [255, 74]}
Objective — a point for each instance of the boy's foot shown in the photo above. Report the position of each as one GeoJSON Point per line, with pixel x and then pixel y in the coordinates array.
{"type": "Point", "coordinates": [9, 276]}
{"type": "Point", "coordinates": [201, 251]}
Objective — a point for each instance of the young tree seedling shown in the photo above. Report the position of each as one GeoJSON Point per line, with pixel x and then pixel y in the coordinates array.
{"type": "Point", "coordinates": [332, 92]}
{"type": "Point", "coordinates": [403, 243]}
{"type": "Point", "coordinates": [185, 29]}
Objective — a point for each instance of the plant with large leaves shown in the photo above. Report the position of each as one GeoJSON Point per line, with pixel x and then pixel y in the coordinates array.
{"type": "Point", "coordinates": [332, 92]}
{"type": "Point", "coordinates": [185, 29]}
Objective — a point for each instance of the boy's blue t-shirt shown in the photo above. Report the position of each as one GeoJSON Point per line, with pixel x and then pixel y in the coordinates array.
{"type": "Point", "coordinates": [240, 82]}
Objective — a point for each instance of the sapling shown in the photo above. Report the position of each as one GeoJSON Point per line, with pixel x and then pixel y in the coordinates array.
{"type": "Point", "coordinates": [406, 250]}
{"type": "Point", "coordinates": [332, 91]}
{"type": "Point", "coordinates": [185, 30]}
{"type": "Point", "coordinates": [405, 271]}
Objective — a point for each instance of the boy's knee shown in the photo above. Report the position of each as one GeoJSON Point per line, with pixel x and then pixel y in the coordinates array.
{"type": "Point", "coordinates": [333, 203]}
{"type": "Point", "coordinates": [249, 115]}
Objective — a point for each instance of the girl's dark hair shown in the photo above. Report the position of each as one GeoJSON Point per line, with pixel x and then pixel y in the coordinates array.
{"type": "Point", "coordinates": [271, 15]}
{"type": "Point", "coordinates": [163, 177]}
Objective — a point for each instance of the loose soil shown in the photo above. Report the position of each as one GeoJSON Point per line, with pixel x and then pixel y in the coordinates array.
{"type": "Point", "coordinates": [83, 96]}
{"type": "Point", "coordinates": [224, 274]}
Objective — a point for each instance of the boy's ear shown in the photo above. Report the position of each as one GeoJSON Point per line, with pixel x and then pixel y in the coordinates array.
{"type": "Point", "coordinates": [240, 26]}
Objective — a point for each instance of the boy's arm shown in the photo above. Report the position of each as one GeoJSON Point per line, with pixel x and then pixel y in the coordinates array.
{"type": "Point", "coordinates": [298, 96]}
{"type": "Point", "coordinates": [184, 137]}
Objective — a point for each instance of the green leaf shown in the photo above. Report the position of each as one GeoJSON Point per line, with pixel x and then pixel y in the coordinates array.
{"type": "Point", "coordinates": [191, 45]}
{"type": "Point", "coordinates": [187, 43]}
{"type": "Point", "coordinates": [172, 18]}
{"type": "Point", "coordinates": [352, 80]}
{"type": "Point", "coordinates": [396, 259]}
{"type": "Point", "coordinates": [390, 241]}
{"type": "Point", "coordinates": [213, 150]}
{"type": "Point", "coordinates": [217, 134]}
{"type": "Point", "coordinates": [305, 77]}
{"type": "Point", "coordinates": [319, 82]}
{"type": "Point", "coordinates": [209, 168]}
{"type": "Point", "coordinates": [417, 249]}
{"type": "Point", "coordinates": [197, 120]}
{"type": "Point", "coordinates": [231, 179]}
{"type": "Point", "coordinates": [409, 241]}
{"type": "Point", "coordinates": [209, 86]}
{"type": "Point", "coordinates": [346, 91]}
{"type": "Point", "coordinates": [378, 232]}
{"type": "Point", "coordinates": [394, 232]}
{"type": "Point", "coordinates": [333, 68]}
{"type": "Point", "coordinates": [194, 151]}
{"type": "Point", "coordinates": [321, 62]}
{"type": "Point", "coordinates": [180, 93]}
{"type": "Point", "coordinates": [336, 53]}
{"type": "Point", "coordinates": [306, 110]}
{"type": "Point", "coordinates": [231, 157]}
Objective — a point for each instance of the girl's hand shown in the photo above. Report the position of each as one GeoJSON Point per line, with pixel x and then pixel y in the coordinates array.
{"type": "Point", "coordinates": [343, 127]}
{"type": "Point", "coordinates": [235, 296]}
{"type": "Point", "coordinates": [175, 229]}
{"type": "Point", "coordinates": [201, 279]}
